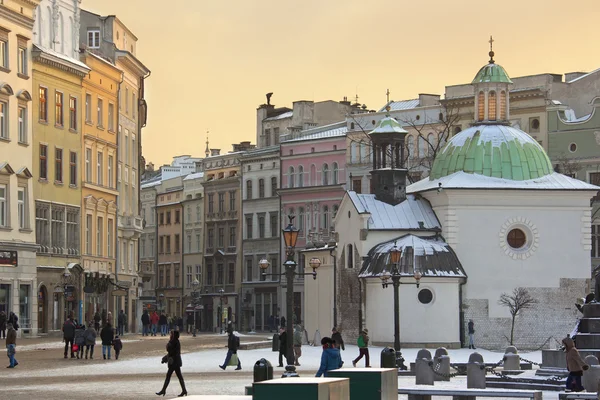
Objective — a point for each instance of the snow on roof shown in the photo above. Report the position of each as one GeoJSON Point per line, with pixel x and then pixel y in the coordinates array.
{"type": "Point", "coordinates": [412, 213]}
{"type": "Point", "coordinates": [464, 180]}
{"type": "Point", "coordinates": [288, 114]}
{"type": "Point", "coordinates": [401, 105]}
{"type": "Point", "coordinates": [322, 132]}
{"type": "Point", "coordinates": [571, 117]}
{"type": "Point", "coordinates": [584, 76]}
{"type": "Point", "coordinates": [150, 184]}
{"type": "Point", "coordinates": [429, 255]}
{"type": "Point", "coordinates": [196, 175]}
{"type": "Point", "coordinates": [556, 102]}
{"type": "Point", "coordinates": [62, 57]}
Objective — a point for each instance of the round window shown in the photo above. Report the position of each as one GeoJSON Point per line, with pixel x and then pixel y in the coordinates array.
{"type": "Point", "coordinates": [425, 296]}
{"type": "Point", "coordinates": [535, 123]}
{"type": "Point", "coordinates": [573, 147]}
{"type": "Point", "coordinates": [516, 238]}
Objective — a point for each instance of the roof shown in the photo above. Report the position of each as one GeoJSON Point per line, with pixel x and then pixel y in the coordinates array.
{"type": "Point", "coordinates": [492, 72]}
{"type": "Point", "coordinates": [413, 213]}
{"type": "Point", "coordinates": [429, 255]}
{"type": "Point", "coordinates": [492, 150]}
{"type": "Point", "coordinates": [401, 105]}
{"type": "Point", "coordinates": [62, 57]}
{"type": "Point", "coordinates": [196, 175]}
{"type": "Point", "coordinates": [388, 125]}
{"type": "Point", "coordinates": [584, 76]}
{"type": "Point", "coordinates": [463, 180]}
{"type": "Point", "coordinates": [323, 132]}
{"type": "Point", "coordinates": [288, 114]}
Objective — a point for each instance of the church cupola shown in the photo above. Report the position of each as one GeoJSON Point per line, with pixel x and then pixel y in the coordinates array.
{"type": "Point", "coordinates": [491, 86]}
{"type": "Point", "coordinates": [388, 181]}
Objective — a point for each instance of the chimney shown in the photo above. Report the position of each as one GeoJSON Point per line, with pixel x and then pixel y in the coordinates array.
{"type": "Point", "coordinates": [215, 152]}
{"type": "Point", "coordinates": [428, 99]}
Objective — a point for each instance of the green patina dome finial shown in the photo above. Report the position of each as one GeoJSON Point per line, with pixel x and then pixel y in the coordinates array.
{"type": "Point", "coordinates": [491, 72]}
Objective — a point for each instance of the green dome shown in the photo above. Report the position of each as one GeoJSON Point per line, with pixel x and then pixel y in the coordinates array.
{"type": "Point", "coordinates": [388, 125]}
{"type": "Point", "coordinates": [497, 151]}
{"type": "Point", "coordinates": [491, 72]}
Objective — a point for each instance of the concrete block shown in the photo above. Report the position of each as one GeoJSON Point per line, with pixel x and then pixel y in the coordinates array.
{"type": "Point", "coordinates": [512, 362]}
{"type": "Point", "coordinates": [591, 376]}
{"type": "Point", "coordinates": [591, 310]}
{"type": "Point", "coordinates": [423, 372]}
{"type": "Point", "coordinates": [302, 388]}
{"type": "Point", "coordinates": [441, 365]}
{"type": "Point", "coordinates": [370, 383]}
{"type": "Point", "coordinates": [476, 372]}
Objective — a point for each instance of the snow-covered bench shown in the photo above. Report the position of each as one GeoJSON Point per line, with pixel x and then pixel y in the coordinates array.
{"type": "Point", "coordinates": [577, 396]}
{"type": "Point", "coordinates": [425, 393]}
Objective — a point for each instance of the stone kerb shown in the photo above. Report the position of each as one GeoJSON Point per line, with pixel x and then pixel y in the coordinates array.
{"type": "Point", "coordinates": [512, 361]}
{"type": "Point", "coordinates": [476, 372]}
{"type": "Point", "coordinates": [441, 364]}
{"type": "Point", "coordinates": [423, 368]}
{"type": "Point", "coordinates": [591, 377]}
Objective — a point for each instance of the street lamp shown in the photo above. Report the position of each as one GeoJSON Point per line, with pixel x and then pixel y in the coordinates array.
{"type": "Point", "coordinates": [290, 237]}
{"type": "Point", "coordinates": [221, 291]}
{"type": "Point", "coordinates": [395, 275]}
{"type": "Point", "coordinates": [195, 285]}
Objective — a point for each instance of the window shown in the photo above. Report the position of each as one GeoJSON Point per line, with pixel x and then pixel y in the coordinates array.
{"type": "Point", "coordinates": [249, 262]}
{"type": "Point", "coordinates": [274, 269]}
{"type": "Point", "coordinates": [161, 219]}
{"type": "Point", "coordinates": [595, 239]}
{"type": "Point", "coordinates": [221, 238]}
{"type": "Point", "coordinates": [127, 100]}
{"type": "Point", "coordinates": [43, 95]}
{"type": "Point", "coordinates": [88, 234]}
{"type": "Point", "coordinates": [111, 117]}
{"type": "Point", "coordinates": [211, 238]}
{"type": "Point", "coordinates": [188, 275]}
{"type": "Point", "coordinates": [267, 137]}
{"type": "Point", "coordinates": [325, 174]}
{"type": "Point", "coordinates": [58, 109]}
{"type": "Point", "coordinates": [357, 185]}
{"type": "Point", "coordinates": [3, 120]}
{"type": "Point", "coordinates": [219, 274]}
{"type": "Point", "coordinates": [335, 210]}
{"type": "Point", "coordinates": [168, 276]}
{"type": "Point", "coordinates": [261, 226]}
{"type": "Point", "coordinates": [88, 108]}
{"type": "Point", "coordinates": [334, 176]}
{"type": "Point", "coordinates": [300, 176]}
{"type": "Point", "coordinates": [211, 203]}
{"type": "Point", "coordinates": [22, 61]}
{"type": "Point", "coordinates": [21, 202]}
{"type": "Point", "coordinates": [198, 242]}
{"type": "Point", "coordinates": [176, 244]}
{"type": "Point", "coordinates": [199, 211]}
{"type": "Point", "coordinates": [58, 165]}
{"type": "Point", "coordinates": [209, 274]}
{"type": "Point", "coordinates": [300, 222]}
{"type": "Point", "coordinates": [161, 276]}
{"type": "Point", "coordinates": [232, 200]}
{"type": "Point", "coordinates": [110, 171]}
{"type": "Point", "coordinates": [94, 39]}
{"type": "Point", "coordinates": [168, 213]}
{"type": "Point", "coordinates": [291, 177]}
{"type": "Point", "coordinates": [22, 124]}
{"type": "Point", "coordinates": [492, 106]}
{"type": "Point", "coordinates": [594, 178]}
{"type": "Point", "coordinates": [221, 202]}
{"type": "Point", "coordinates": [109, 238]}
{"type": "Point", "coordinates": [161, 245]}
{"type": "Point", "coordinates": [516, 238]}
{"type": "Point", "coordinates": [425, 296]}
{"type": "Point", "coordinates": [189, 244]}
{"type": "Point", "coordinates": [73, 113]}
{"type": "Point", "coordinates": [43, 161]}
{"type": "Point", "coordinates": [100, 236]}
{"type": "Point", "coordinates": [480, 106]}
{"type": "Point", "coordinates": [273, 186]}
{"type": "Point", "coordinates": [503, 105]}
{"type": "Point", "coordinates": [274, 227]}
{"type": "Point", "coordinates": [350, 256]}
{"type": "Point", "coordinates": [133, 104]}
{"type": "Point", "coordinates": [177, 216]}
{"type": "Point", "coordinates": [126, 146]}
{"type": "Point", "coordinates": [3, 206]}
{"type": "Point", "coordinates": [261, 188]}
{"type": "Point", "coordinates": [325, 218]}
{"type": "Point", "coordinates": [249, 227]}
{"type": "Point", "coordinates": [188, 210]}
{"type": "Point", "coordinates": [100, 113]}
{"type": "Point", "coordinates": [4, 53]}
{"type": "Point", "coordinates": [231, 274]}
{"type": "Point", "coordinates": [232, 236]}
{"type": "Point", "coordinates": [133, 150]}
{"type": "Point", "coordinates": [88, 165]}
{"type": "Point", "coordinates": [168, 244]}
{"type": "Point", "coordinates": [73, 220]}
{"type": "Point", "coordinates": [100, 168]}
{"type": "Point", "coordinates": [73, 168]}
{"type": "Point", "coordinates": [248, 190]}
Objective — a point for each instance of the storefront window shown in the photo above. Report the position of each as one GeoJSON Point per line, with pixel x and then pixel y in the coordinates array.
{"type": "Point", "coordinates": [4, 298]}
{"type": "Point", "coordinates": [24, 299]}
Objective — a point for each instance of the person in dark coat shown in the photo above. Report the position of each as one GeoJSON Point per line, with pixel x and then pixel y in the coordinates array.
{"type": "Point", "coordinates": [282, 345]}
{"type": "Point", "coordinates": [180, 324]}
{"type": "Point", "coordinates": [121, 322]}
{"type": "Point", "coordinates": [118, 345]}
{"type": "Point", "coordinates": [283, 322]}
{"type": "Point", "coordinates": [14, 320]}
{"type": "Point", "coordinates": [338, 341]}
{"type": "Point", "coordinates": [97, 320]}
{"type": "Point", "coordinates": [2, 325]}
{"type": "Point", "coordinates": [107, 335]}
{"type": "Point", "coordinates": [471, 328]}
{"type": "Point", "coordinates": [173, 360]}
{"type": "Point", "coordinates": [11, 346]}
{"type": "Point", "coordinates": [79, 340]}
{"type": "Point", "coordinates": [233, 344]}
{"type": "Point", "coordinates": [190, 323]}
{"type": "Point", "coordinates": [164, 324]}
{"type": "Point", "coordinates": [145, 323]}
{"type": "Point", "coordinates": [90, 340]}
{"type": "Point", "coordinates": [69, 336]}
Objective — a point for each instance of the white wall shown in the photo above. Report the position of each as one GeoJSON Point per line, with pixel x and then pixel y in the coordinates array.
{"type": "Point", "coordinates": [318, 296]}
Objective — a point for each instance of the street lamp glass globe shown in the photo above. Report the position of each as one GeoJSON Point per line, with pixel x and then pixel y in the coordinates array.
{"type": "Point", "coordinates": [385, 275]}
{"type": "Point", "coordinates": [418, 275]}
{"type": "Point", "coordinates": [314, 263]}
{"type": "Point", "coordinates": [263, 264]}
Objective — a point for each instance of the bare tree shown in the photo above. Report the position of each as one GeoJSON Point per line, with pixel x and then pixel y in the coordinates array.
{"type": "Point", "coordinates": [516, 302]}
{"type": "Point", "coordinates": [567, 166]}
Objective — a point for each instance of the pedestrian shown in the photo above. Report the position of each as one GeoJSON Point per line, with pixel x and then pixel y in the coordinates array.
{"type": "Point", "coordinates": [79, 340]}
{"type": "Point", "coordinates": [154, 321]}
{"type": "Point", "coordinates": [107, 335]}
{"type": "Point", "coordinates": [282, 345]}
{"type": "Point", "coordinates": [283, 322]}
{"type": "Point", "coordinates": [121, 321]}
{"type": "Point", "coordinates": [233, 344]}
{"type": "Point", "coordinates": [575, 365]}
{"type": "Point", "coordinates": [163, 322]}
{"type": "Point", "coordinates": [271, 321]}
{"type": "Point", "coordinates": [145, 323]}
{"type": "Point", "coordinates": [297, 344]}
{"type": "Point", "coordinates": [173, 360]}
{"type": "Point", "coordinates": [118, 346]}
{"type": "Point", "coordinates": [11, 345]}
{"type": "Point", "coordinates": [109, 318]}
{"type": "Point", "coordinates": [97, 320]}
{"type": "Point", "coordinates": [69, 335]}
{"type": "Point", "coordinates": [330, 358]}
{"type": "Point", "coordinates": [2, 325]}
{"type": "Point", "coordinates": [14, 320]}
{"type": "Point", "coordinates": [471, 328]}
{"type": "Point", "coordinates": [180, 324]}
{"type": "Point", "coordinates": [90, 340]}
{"type": "Point", "coordinates": [190, 323]}
{"type": "Point", "coordinates": [229, 327]}
{"type": "Point", "coordinates": [338, 341]}
{"type": "Point", "coordinates": [363, 348]}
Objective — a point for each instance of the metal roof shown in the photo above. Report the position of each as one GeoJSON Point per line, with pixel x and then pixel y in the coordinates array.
{"type": "Point", "coordinates": [413, 213]}
{"type": "Point", "coordinates": [323, 132]}
{"type": "Point", "coordinates": [401, 105]}
{"type": "Point", "coordinates": [491, 72]}
{"type": "Point", "coordinates": [196, 175]}
{"type": "Point", "coordinates": [288, 114]}
{"type": "Point", "coordinates": [429, 255]}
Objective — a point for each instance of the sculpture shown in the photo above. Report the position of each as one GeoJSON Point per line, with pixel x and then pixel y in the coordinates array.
{"type": "Point", "coordinates": [269, 98]}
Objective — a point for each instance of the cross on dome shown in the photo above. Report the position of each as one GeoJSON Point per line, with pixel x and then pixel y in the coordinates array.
{"type": "Point", "coordinates": [491, 53]}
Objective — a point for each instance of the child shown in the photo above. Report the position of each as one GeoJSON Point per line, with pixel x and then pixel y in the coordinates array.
{"type": "Point", "coordinates": [118, 345]}
{"type": "Point", "coordinates": [363, 348]}
{"type": "Point", "coordinates": [575, 365]}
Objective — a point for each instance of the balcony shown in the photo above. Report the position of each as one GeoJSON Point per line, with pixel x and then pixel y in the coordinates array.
{"type": "Point", "coordinates": [132, 226]}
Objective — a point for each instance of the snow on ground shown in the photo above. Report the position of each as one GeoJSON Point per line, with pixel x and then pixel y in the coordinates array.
{"type": "Point", "coordinates": [56, 345]}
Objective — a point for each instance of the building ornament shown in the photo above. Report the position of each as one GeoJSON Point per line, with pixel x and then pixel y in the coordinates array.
{"type": "Point", "coordinates": [532, 238]}
{"type": "Point", "coordinates": [55, 17]}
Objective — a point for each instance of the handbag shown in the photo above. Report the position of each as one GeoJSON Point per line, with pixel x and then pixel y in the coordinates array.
{"type": "Point", "coordinates": [75, 348]}
{"type": "Point", "coordinates": [233, 361]}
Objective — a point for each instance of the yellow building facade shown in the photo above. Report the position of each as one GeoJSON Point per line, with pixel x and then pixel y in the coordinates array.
{"type": "Point", "coordinates": [99, 184]}
{"type": "Point", "coordinates": [57, 150]}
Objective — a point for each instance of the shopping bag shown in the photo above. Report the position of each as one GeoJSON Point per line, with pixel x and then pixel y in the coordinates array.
{"type": "Point", "coordinates": [75, 348]}
{"type": "Point", "coordinates": [233, 361]}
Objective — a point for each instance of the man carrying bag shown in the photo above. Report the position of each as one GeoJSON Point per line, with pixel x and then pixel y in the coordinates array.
{"type": "Point", "coordinates": [233, 344]}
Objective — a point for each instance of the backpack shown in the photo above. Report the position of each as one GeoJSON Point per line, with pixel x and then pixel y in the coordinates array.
{"type": "Point", "coordinates": [361, 341]}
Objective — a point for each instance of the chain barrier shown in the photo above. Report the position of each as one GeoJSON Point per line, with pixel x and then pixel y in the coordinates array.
{"type": "Point", "coordinates": [436, 370]}
{"type": "Point", "coordinates": [530, 362]}
{"type": "Point", "coordinates": [508, 378]}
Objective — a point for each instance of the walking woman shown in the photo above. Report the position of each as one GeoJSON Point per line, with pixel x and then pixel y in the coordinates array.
{"type": "Point", "coordinates": [173, 360]}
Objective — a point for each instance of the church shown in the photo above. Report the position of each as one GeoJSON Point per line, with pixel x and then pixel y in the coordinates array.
{"type": "Point", "coordinates": [491, 217]}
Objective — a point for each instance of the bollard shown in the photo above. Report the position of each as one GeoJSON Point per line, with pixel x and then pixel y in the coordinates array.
{"type": "Point", "coordinates": [275, 344]}
{"type": "Point", "coordinates": [591, 376]}
{"type": "Point", "coordinates": [388, 358]}
{"type": "Point", "coordinates": [290, 372]}
{"type": "Point", "coordinates": [423, 371]}
{"type": "Point", "coordinates": [476, 372]}
{"type": "Point", "coordinates": [263, 370]}
{"type": "Point", "coordinates": [441, 364]}
{"type": "Point", "coordinates": [512, 361]}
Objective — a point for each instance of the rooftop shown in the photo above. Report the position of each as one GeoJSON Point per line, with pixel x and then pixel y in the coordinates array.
{"type": "Point", "coordinates": [323, 132]}
{"type": "Point", "coordinates": [401, 105]}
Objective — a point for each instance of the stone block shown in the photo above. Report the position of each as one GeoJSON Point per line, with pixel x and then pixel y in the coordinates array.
{"type": "Point", "coordinates": [441, 365]}
{"type": "Point", "coordinates": [592, 375]}
{"type": "Point", "coordinates": [587, 341]}
{"type": "Point", "coordinates": [423, 368]}
{"type": "Point", "coordinates": [589, 325]}
{"type": "Point", "coordinates": [302, 388]}
{"type": "Point", "coordinates": [512, 362]}
{"type": "Point", "coordinates": [476, 372]}
{"type": "Point", "coordinates": [370, 383]}
{"type": "Point", "coordinates": [591, 310]}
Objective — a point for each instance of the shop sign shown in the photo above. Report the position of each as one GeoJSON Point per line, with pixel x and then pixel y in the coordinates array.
{"type": "Point", "coordinates": [8, 258]}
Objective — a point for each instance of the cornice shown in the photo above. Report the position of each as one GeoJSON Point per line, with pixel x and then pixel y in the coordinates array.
{"type": "Point", "coordinates": [59, 63]}
{"type": "Point", "coordinates": [132, 62]}
{"type": "Point", "coordinates": [17, 18]}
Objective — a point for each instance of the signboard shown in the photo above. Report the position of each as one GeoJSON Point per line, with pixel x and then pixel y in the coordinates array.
{"type": "Point", "coordinates": [8, 258]}
{"type": "Point", "coordinates": [225, 313]}
{"type": "Point", "coordinates": [70, 293]}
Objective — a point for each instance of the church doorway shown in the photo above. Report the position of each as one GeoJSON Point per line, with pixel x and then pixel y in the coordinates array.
{"type": "Point", "coordinates": [43, 310]}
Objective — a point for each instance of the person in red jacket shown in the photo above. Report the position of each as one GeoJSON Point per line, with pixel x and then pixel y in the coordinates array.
{"type": "Point", "coordinates": [154, 320]}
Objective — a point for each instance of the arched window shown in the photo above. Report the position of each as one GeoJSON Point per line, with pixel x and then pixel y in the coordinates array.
{"type": "Point", "coordinates": [334, 174]}
{"type": "Point", "coordinates": [441, 116]}
{"type": "Point", "coordinates": [248, 189]}
{"type": "Point", "coordinates": [410, 146]}
{"type": "Point", "coordinates": [313, 175]}
{"type": "Point", "coordinates": [354, 150]}
{"type": "Point", "coordinates": [422, 147]}
{"type": "Point", "coordinates": [431, 144]}
{"type": "Point", "coordinates": [352, 125]}
{"type": "Point", "coordinates": [261, 188]}
{"type": "Point", "coordinates": [503, 105]}
{"type": "Point", "coordinates": [325, 224]}
{"type": "Point", "coordinates": [300, 176]}
{"type": "Point", "coordinates": [300, 221]}
{"type": "Point", "coordinates": [273, 186]}
{"type": "Point", "coordinates": [350, 256]}
{"type": "Point", "coordinates": [291, 177]}
{"type": "Point", "coordinates": [325, 174]}
{"type": "Point", "coordinates": [480, 107]}
{"type": "Point", "coordinates": [335, 210]}
{"type": "Point", "coordinates": [492, 106]}
{"type": "Point", "coordinates": [457, 130]}
{"type": "Point", "coordinates": [364, 158]}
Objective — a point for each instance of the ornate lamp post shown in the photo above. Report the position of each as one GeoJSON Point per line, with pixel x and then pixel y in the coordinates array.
{"type": "Point", "coordinates": [195, 285]}
{"type": "Point", "coordinates": [290, 237]}
{"type": "Point", "coordinates": [221, 291]}
{"type": "Point", "coordinates": [395, 275]}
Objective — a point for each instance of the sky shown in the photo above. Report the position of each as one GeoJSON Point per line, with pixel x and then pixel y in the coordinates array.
{"type": "Point", "coordinates": [212, 62]}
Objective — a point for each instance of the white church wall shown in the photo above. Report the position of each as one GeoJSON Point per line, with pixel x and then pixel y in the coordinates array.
{"type": "Point", "coordinates": [318, 296]}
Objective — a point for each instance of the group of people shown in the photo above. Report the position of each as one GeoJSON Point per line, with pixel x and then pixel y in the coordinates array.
{"type": "Point", "coordinates": [79, 337]}
{"type": "Point", "coordinates": [152, 323]}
